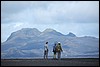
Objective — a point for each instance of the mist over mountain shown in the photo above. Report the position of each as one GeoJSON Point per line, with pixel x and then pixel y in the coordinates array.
{"type": "Point", "coordinates": [29, 43]}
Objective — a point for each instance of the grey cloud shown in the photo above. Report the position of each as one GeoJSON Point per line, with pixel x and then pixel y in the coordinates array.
{"type": "Point", "coordinates": [13, 6]}
{"type": "Point", "coordinates": [52, 12]}
{"type": "Point", "coordinates": [17, 6]}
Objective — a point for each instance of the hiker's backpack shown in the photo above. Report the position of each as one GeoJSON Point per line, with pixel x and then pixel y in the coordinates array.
{"type": "Point", "coordinates": [58, 48]}
{"type": "Point", "coordinates": [54, 48]}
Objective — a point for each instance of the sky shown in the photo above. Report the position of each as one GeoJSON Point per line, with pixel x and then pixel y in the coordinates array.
{"type": "Point", "coordinates": [78, 17]}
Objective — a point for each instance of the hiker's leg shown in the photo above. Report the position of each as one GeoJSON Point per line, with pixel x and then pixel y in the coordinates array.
{"type": "Point", "coordinates": [55, 55]}
{"type": "Point", "coordinates": [58, 55]}
{"type": "Point", "coordinates": [46, 54]}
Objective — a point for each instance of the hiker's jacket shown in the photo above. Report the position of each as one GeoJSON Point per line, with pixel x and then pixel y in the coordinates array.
{"type": "Point", "coordinates": [58, 48]}
{"type": "Point", "coordinates": [46, 47]}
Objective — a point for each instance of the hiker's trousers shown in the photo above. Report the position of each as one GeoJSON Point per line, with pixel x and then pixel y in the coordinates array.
{"type": "Point", "coordinates": [45, 54]}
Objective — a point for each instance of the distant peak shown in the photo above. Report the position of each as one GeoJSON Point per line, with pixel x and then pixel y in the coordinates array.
{"type": "Point", "coordinates": [48, 30]}
{"type": "Point", "coordinates": [24, 32]}
{"type": "Point", "coordinates": [71, 34]}
{"type": "Point", "coordinates": [29, 29]}
{"type": "Point", "coordinates": [25, 28]}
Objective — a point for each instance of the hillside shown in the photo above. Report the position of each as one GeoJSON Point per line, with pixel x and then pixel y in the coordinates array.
{"type": "Point", "coordinates": [29, 43]}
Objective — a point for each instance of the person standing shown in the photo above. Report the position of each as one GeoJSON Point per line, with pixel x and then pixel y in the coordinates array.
{"type": "Point", "coordinates": [46, 51]}
{"type": "Point", "coordinates": [59, 50]}
{"type": "Point", "coordinates": [54, 51]}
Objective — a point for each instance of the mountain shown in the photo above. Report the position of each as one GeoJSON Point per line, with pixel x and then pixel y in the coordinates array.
{"type": "Point", "coordinates": [29, 43]}
{"type": "Point", "coordinates": [53, 32]}
{"type": "Point", "coordinates": [71, 34]}
{"type": "Point", "coordinates": [25, 32]}
{"type": "Point", "coordinates": [49, 33]}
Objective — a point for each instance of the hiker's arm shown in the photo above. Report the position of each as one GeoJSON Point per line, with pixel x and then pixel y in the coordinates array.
{"type": "Point", "coordinates": [61, 48]}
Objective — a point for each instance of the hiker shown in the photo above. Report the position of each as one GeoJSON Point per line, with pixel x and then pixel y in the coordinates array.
{"type": "Point", "coordinates": [59, 50]}
{"type": "Point", "coordinates": [46, 51]}
{"type": "Point", "coordinates": [54, 51]}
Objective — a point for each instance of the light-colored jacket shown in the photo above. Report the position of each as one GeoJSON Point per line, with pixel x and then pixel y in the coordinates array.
{"type": "Point", "coordinates": [46, 47]}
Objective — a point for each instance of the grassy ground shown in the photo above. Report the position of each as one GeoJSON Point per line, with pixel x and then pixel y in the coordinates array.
{"type": "Point", "coordinates": [51, 62]}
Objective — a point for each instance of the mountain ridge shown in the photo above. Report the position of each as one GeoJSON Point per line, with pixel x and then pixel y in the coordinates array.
{"type": "Point", "coordinates": [29, 42]}
{"type": "Point", "coordinates": [35, 32]}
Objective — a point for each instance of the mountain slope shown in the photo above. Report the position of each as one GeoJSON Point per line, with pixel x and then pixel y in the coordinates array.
{"type": "Point", "coordinates": [25, 32]}
{"type": "Point", "coordinates": [29, 43]}
{"type": "Point", "coordinates": [71, 34]}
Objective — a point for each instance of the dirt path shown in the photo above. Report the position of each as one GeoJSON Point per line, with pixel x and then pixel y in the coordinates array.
{"type": "Point", "coordinates": [51, 62]}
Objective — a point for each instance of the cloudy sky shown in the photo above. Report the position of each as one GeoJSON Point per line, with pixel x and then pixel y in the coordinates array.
{"type": "Point", "coordinates": [78, 17]}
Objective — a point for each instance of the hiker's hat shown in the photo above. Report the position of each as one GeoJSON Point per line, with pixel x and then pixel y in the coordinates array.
{"type": "Point", "coordinates": [58, 42]}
